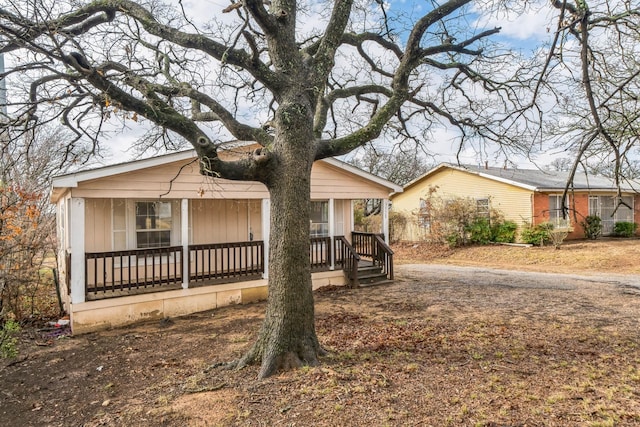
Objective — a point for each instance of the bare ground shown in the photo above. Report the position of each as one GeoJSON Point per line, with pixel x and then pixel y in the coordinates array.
{"type": "Point", "coordinates": [427, 350]}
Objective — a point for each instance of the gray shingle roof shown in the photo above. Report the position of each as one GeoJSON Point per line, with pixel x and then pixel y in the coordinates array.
{"type": "Point", "coordinates": [549, 180]}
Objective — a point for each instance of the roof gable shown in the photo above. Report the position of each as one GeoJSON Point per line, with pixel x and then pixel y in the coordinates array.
{"type": "Point", "coordinates": [120, 171]}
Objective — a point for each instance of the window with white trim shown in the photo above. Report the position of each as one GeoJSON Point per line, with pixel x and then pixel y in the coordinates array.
{"type": "Point", "coordinates": [153, 224]}
{"type": "Point", "coordinates": [558, 215]}
{"type": "Point", "coordinates": [319, 224]}
{"type": "Point", "coordinates": [482, 208]}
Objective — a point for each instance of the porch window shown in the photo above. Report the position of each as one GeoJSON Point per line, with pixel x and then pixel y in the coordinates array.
{"type": "Point", "coordinates": [153, 224]}
{"type": "Point", "coordinates": [319, 219]}
{"type": "Point", "coordinates": [557, 214]}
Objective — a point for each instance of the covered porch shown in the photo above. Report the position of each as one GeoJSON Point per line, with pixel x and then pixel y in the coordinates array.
{"type": "Point", "coordinates": [113, 274]}
{"type": "Point", "coordinates": [154, 238]}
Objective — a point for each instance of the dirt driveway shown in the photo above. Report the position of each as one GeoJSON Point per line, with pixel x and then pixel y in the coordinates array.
{"type": "Point", "coordinates": [444, 345]}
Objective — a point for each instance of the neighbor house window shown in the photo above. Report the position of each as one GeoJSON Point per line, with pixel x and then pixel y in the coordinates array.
{"type": "Point", "coordinates": [558, 216]}
{"type": "Point", "coordinates": [424, 215]}
{"type": "Point", "coordinates": [611, 210]}
{"type": "Point", "coordinates": [319, 219]}
{"type": "Point", "coordinates": [153, 224]}
{"type": "Point", "coordinates": [482, 208]}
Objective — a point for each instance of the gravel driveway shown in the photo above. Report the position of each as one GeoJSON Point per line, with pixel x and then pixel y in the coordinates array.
{"type": "Point", "coordinates": [482, 276]}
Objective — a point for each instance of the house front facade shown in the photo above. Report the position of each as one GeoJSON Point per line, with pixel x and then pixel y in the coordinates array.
{"type": "Point", "coordinates": [155, 238]}
{"type": "Point", "coordinates": [524, 196]}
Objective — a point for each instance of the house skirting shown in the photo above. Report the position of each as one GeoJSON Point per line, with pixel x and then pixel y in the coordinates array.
{"type": "Point", "coordinates": [103, 314]}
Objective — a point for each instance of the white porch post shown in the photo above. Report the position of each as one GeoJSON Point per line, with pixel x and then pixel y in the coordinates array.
{"type": "Point", "coordinates": [266, 232]}
{"type": "Point", "coordinates": [184, 238]}
{"type": "Point", "coordinates": [76, 240]}
{"type": "Point", "coordinates": [332, 232]}
{"type": "Point", "coordinates": [385, 220]}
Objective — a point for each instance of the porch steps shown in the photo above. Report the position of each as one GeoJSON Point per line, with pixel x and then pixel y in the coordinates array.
{"type": "Point", "coordinates": [372, 276]}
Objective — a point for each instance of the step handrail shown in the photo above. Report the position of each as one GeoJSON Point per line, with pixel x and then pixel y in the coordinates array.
{"type": "Point", "coordinates": [350, 259]}
{"type": "Point", "coordinates": [384, 254]}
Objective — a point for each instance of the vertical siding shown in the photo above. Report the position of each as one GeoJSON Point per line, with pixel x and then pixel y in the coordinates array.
{"type": "Point", "coordinates": [97, 233]}
{"type": "Point", "coordinates": [219, 221]}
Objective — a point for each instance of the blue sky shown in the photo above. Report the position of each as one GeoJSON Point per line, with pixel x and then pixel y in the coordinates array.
{"type": "Point", "coordinates": [522, 31]}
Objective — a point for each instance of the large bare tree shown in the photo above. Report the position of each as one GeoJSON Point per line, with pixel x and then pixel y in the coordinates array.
{"type": "Point", "coordinates": [305, 81]}
{"type": "Point", "coordinates": [592, 65]}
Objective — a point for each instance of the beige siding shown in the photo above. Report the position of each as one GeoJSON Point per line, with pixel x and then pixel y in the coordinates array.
{"type": "Point", "coordinates": [219, 221]}
{"type": "Point", "coordinates": [330, 182]}
{"type": "Point", "coordinates": [168, 181]}
{"type": "Point", "coordinates": [97, 226]}
{"type": "Point", "coordinates": [513, 202]}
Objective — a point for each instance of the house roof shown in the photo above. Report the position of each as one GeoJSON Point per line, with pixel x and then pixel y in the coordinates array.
{"type": "Point", "coordinates": [536, 179]}
{"type": "Point", "coordinates": [63, 182]}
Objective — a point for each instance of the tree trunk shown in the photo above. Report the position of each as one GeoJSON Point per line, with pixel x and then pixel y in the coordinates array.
{"type": "Point", "coordinates": [287, 338]}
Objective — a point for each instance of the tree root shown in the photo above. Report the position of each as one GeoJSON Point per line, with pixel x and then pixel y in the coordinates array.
{"type": "Point", "coordinates": [206, 388]}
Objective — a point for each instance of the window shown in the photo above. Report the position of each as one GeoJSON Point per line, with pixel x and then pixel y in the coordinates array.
{"type": "Point", "coordinates": [482, 208]}
{"type": "Point", "coordinates": [610, 210]}
{"type": "Point", "coordinates": [424, 216]}
{"type": "Point", "coordinates": [558, 215]}
{"type": "Point", "coordinates": [319, 219]}
{"type": "Point", "coordinates": [153, 224]}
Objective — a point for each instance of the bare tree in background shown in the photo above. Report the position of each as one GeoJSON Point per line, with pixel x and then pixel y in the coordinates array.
{"type": "Point", "coordinates": [593, 63]}
{"type": "Point", "coordinates": [305, 81]}
{"type": "Point", "coordinates": [27, 223]}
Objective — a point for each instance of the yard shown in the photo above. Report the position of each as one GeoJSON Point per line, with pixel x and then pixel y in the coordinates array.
{"type": "Point", "coordinates": [430, 349]}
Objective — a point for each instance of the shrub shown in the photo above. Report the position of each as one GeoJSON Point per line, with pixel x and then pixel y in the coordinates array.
{"type": "Point", "coordinates": [538, 235]}
{"type": "Point", "coordinates": [592, 226]}
{"type": "Point", "coordinates": [479, 231]}
{"type": "Point", "coordinates": [8, 339]}
{"type": "Point", "coordinates": [504, 232]}
{"type": "Point", "coordinates": [624, 229]}
{"type": "Point", "coordinates": [557, 237]}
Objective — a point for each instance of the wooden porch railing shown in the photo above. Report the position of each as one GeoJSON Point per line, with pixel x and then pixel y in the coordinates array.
{"type": "Point", "coordinates": [320, 253]}
{"type": "Point", "coordinates": [372, 247]}
{"type": "Point", "coordinates": [117, 273]}
{"type": "Point", "coordinates": [226, 261]}
{"type": "Point", "coordinates": [347, 258]}
{"type": "Point", "coordinates": [383, 256]}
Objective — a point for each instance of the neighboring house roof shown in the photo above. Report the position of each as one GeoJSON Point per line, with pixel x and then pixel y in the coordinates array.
{"type": "Point", "coordinates": [535, 179]}
{"type": "Point", "coordinates": [63, 182]}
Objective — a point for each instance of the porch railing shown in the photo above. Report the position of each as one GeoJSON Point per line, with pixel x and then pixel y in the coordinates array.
{"type": "Point", "coordinates": [320, 253]}
{"type": "Point", "coordinates": [372, 247]}
{"type": "Point", "coordinates": [120, 272]}
{"type": "Point", "coordinates": [347, 258]}
{"type": "Point", "coordinates": [226, 261]}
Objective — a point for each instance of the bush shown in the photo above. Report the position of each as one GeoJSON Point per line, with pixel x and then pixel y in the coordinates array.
{"type": "Point", "coordinates": [479, 231]}
{"type": "Point", "coordinates": [592, 226]}
{"type": "Point", "coordinates": [8, 339]}
{"type": "Point", "coordinates": [504, 232]}
{"type": "Point", "coordinates": [624, 229]}
{"type": "Point", "coordinates": [538, 235]}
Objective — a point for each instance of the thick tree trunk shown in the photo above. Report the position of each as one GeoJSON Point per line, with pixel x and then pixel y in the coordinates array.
{"type": "Point", "coordinates": [288, 338]}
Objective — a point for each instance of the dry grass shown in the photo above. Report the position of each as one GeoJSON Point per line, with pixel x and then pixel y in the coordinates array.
{"type": "Point", "coordinates": [420, 352]}
{"type": "Point", "coordinates": [606, 255]}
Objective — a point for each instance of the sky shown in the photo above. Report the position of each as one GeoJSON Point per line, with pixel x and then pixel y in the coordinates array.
{"type": "Point", "coordinates": [523, 31]}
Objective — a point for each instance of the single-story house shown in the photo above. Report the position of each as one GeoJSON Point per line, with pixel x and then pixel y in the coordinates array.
{"type": "Point", "coordinates": [155, 238]}
{"type": "Point", "coordinates": [525, 196]}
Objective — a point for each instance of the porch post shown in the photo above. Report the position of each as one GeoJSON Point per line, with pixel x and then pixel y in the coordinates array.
{"type": "Point", "coordinates": [266, 232]}
{"type": "Point", "coordinates": [385, 220]}
{"type": "Point", "coordinates": [76, 240]}
{"type": "Point", "coordinates": [332, 232]}
{"type": "Point", "coordinates": [184, 238]}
